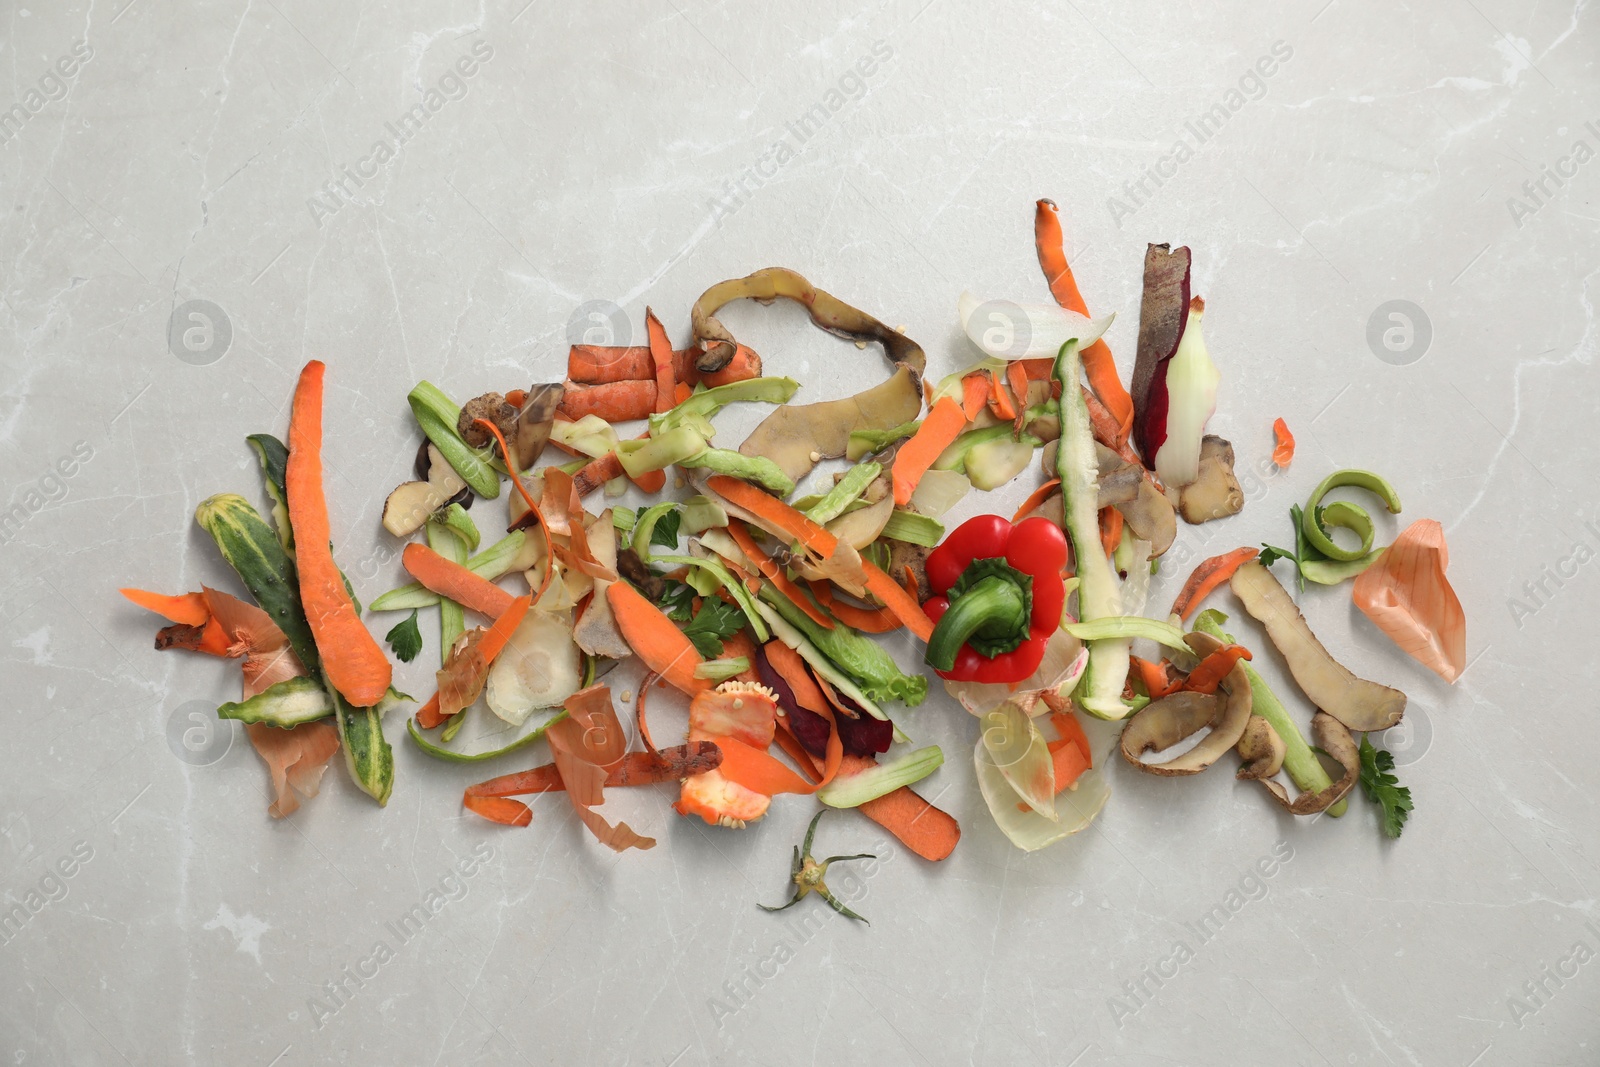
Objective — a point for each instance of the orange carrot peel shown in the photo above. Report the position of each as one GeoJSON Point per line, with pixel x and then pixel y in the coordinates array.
{"type": "Point", "coordinates": [352, 661]}
{"type": "Point", "coordinates": [938, 431]}
{"type": "Point", "coordinates": [1207, 576]}
{"type": "Point", "coordinates": [450, 579]}
{"type": "Point", "coordinates": [774, 574]}
{"type": "Point", "coordinates": [1283, 454]}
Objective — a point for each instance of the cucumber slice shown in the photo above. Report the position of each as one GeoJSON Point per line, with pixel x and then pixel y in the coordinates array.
{"type": "Point", "coordinates": [883, 779]}
{"type": "Point", "coordinates": [1099, 593]}
{"type": "Point", "coordinates": [288, 703]}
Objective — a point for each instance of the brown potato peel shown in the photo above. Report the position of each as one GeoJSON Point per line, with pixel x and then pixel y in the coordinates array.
{"type": "Point", "coordinates": [1163, 723]}
{"type": "Point", "coordinates": [1261, 749]}
{"type": "Point", "coordinates": [826, 310]}
{"type": "Point", "coordinates": [795, 436]}
{"type": "Point", "coordinates": [1334, 739]}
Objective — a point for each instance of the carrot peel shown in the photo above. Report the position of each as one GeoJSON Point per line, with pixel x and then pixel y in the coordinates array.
{"type": "Point", "coordinates": [1283, 454]}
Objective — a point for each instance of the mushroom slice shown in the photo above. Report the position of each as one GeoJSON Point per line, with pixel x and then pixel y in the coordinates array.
{"type": "Point", "coordinates": [797, 436]}
{"type": "Point", "coordinates": [1261, 749]}
{"type": "Point", "coordinates": [827, 311]}
{"type": "Point", "coordinates": [1163, 723]}
{"type": "Point", "coordinates": [534, 421]}
{"type": "Point", "coordinates": [1215, 494]}
{"type": "Point", "coordinates": [1356, 702]}
{"type": "Point", "coordinates": [1334, 739]}
{"type": "Point", "coordinates": [409, 506]}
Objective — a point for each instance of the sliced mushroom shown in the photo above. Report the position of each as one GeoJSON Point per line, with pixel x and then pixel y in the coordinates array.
{"type": "Point", "coordinates": [1356, 702]}
{"type": "Point", "coordinates": [1215, 494]}
{"type": "Point", "coordinates": [409, 506]}
{"type": "Point", "coordinates": [797, 436]}
{"type": "Point", "coordinates": [1334, 739]}
{"type": "Point", "coordinates": [1261, 749]}
{"type": "Point", "coordinates": [491, 407]}
{"type": "Point", "coordinates": [534, 421]}
{"type": "Point", "coordinates": [1163, 723]}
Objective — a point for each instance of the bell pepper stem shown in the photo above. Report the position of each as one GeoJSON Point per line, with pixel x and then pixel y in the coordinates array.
{"type": "Point", "coordinates": [994, 604]}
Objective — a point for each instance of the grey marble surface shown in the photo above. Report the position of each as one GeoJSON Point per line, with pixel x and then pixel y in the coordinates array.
{"type": "Point", "coordinates": [1356, 153]}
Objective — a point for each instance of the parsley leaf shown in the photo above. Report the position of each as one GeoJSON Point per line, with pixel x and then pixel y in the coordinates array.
{"type": "Point", "coordinates": [717, 620]}
{"type": "Point", "coordinates": [1271, 554]}
{"type": "Point", "coordinates": [678, 601]}
{"type": "Point", "coordinates": [1383, 788]}
{"type": "Point", "coordinates": [665, 532]}
{"type": "Point", "coordinates": [405, 638]}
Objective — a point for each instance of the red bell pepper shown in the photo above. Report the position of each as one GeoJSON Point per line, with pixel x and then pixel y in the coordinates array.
{"type": "Point", "coordinates": [998, 598]}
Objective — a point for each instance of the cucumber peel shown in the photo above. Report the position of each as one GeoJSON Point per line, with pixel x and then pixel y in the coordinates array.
{"type": "Point", "coordinates": [1128, 628]}
{"type": "Point", "coordinates": [756, 469]}
{"type": "Point", "coordinates": [1099, 593]}
{"type": "Point", "coordinates": [437, 414]}
{"type": "Point", "coordinates": [885, 778]}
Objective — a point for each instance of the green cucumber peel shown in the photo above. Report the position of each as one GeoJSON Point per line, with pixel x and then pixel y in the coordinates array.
{"type": "Point", "coordinates": [844, 493]}
{"type": "Point", "coordinates": [532, 732]}
{"type": "Point", "coordinates": [1315, 519]}
{"type": "Point", "coordinates": [883, 779]}
{"type": "Point", "coordinates": [758, 470]}
{"type": "Point", "coordinates": [273, 455]}
{"type": "Point", "coordinates": [863, 443]}
{"type": "Point", "coordinates": [437, 415]}
{"type": "Point", "coordinates": [1128, 628]}
{"type": "Point", "coordinates": [1099, 691]}
{"type": "Point", "coordinates": [446, 541]}
{"type": "Point", "coordinates": [1299, 761]}
{"type": "Point", "coordinates": [720, 670]}
{"type": "Point", "coordinates": [641, 457]}
{"type": "Point", "coordinates": [701, 513]}
{"type": "Point", "coordinates": [454, 517]}
{"type": "Point", "coordinates": [704, 403]}
{"type": "Point", "coordinates": [913, 529]}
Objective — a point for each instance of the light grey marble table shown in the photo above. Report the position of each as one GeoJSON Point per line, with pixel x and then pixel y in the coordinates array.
{"type": "Point", "coordinates": [447, 190]}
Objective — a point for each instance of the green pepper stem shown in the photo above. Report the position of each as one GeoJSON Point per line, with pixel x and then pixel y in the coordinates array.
{"type": "Point", "coordinates": [994, 605]}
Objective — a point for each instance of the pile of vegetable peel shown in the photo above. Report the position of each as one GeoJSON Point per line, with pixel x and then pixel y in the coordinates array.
{"type": "Point", "coordinates": [759, 603]}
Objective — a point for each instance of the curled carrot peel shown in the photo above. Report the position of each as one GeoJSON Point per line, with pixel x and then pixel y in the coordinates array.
{"type": "Point", "coordinates": [450, 579]}
{"type": "Point", "coordinates": [1209, 672]}
{"type": "Point", "coordinates": [1283, 454]}
{"type": "Point", "coordinates": [1098, 363]}
{"type": "Point", "coordinates": [938, 431]}
{"type": "Point", "coordinates": [655, 639]}
{"type": "Point", "coordinates": [774, 574]}
{"type": "Point", "coordinates": [974, 394]}
{"type": "Point", "coordinates": [186, 608]}
{"type": "Point", "coordinates": [533, 509]}
{"type": "Point", "coordinates": [352, 662]}
{"type": "Point", "coordinates": [1207, 576]}
{"type": "Point", "coordinates": [1157, 679]}
{"type": "Point", "coordinates": [1037, 497]}
{"type": "Point", "coordinates": [661, 357]}
{"type": "Point", "coordinates": [775, 512]}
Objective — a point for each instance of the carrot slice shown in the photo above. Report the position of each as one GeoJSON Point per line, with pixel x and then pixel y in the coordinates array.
{"type": "Point", "coordinates": [867, 620]}
{"type": "Point", "coordinates": [351, 659]}
{"type": "Point", "coordinates": [898, 600]}
{"type": "Point", "coordinates": [938, 431]}
{"type": "Point", "coordinates": [1158, 681]}
{"type": "Point", "coordinates": [1209, 672]}
{"type": "Point", "coordinates": [974, 394]}
{"type": "Point", "coordinates": [1110, 529]}
{"type": "Point", "coordinates": [999, 400]}
{"type": "Point", "coordinates": [1017, 378]}
{"type": "Point", "coordinates": [655, 638]}
{"type": "Point", "coordinates": [1207, 576]}
{"type": "Point", "coordinates": [1283, 454]}
{"type": "Point", "coordinates": [744, 365]}
{"type": "Point", "coordinates": [450, 579]}
{"type": "Point", "coordinates": [921, 827]}
{"type": "Point", "coordinates": [186, 608]}
{"type": "Point", "coordinates": [1098, 362]}
{"type": "Point", "coordinates": [622, 401]}
{"type": "Point", "coordinates": [774, 574]}
{"type": "Point", "coordinates": [1035, 498]}
{"type": "Point", "coordinates": [770, 509]}
{"type": "Point", "coordinates": [1408, 596]}
{"type": "Point", "coordinates": [661, 355]}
